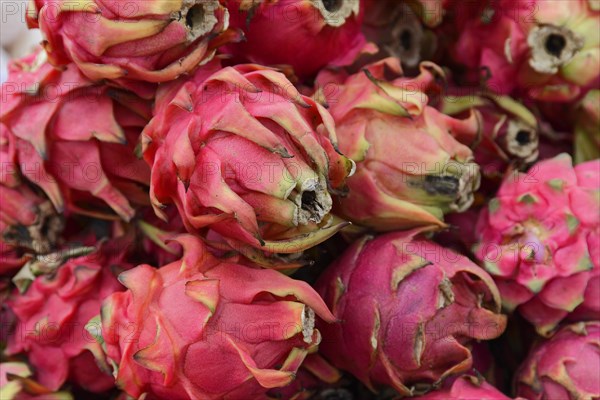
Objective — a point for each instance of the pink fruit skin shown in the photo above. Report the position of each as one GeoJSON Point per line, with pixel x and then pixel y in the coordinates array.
{"type": "Point", "coordinates": [467, 388]}
{"type": "Point", "coordinates": [89, 160]}
{"type": "Point", "coordinates": [565, 367]}
{"type": "Point", "coordinates": [129, 41]}
{"type": "Point", "coordinates": [52, 313]}
{"type": "Point", "coordinates": [202, 328]}
{"type": "Point", "coordinates": [501, 38]}
{"type": "Point", "coordinates": [28, 223]}
{"type": "Point", "coordinates": [411, 167]}
{"type": "Point", "coordinates": [237, 149]}
{"type": "Point", "coordinates": [538, 239]}
{"type": "Point", "coordinates": [296, 33]}
{"type": "Point", "coordinates": [407, 310]}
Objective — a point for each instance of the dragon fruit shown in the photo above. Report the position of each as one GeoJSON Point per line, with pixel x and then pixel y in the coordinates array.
{"type": "Point", "coordinates": [538, 239]}
{"type": "Point", "coordinates": [467, 387]}
{"type": "Point", "coordinates": [128, 41]}
{"type": "Point", "coordinates": [410, 168]}
{"type": "Point", "coordinates": [310, 34]}
{"type": "Point", "coordinates": [567, 366]}
{"type": "Point", "coordinates": [408, 310]}
{"type": "Point", "coordinates": [202, 328]}
{"type": "Point", "coordinates": [510, 131]}
{"type": "Point", "coordinates": [315, 379]}
{"type": "Point", "coordinates": [54, 309]}
{"type": "Point", "coordinates": [587, 129]}
{"type": "Point", "coordinates": [16, 384]}
{"type": "Point", "coordinates": [398, 31]}
{"type": "Point", "coordinates": [547, 50]}
{"type": "Point", "coordinates": [239, 150]}
{"type": "Point", "coordinates": [28, 222]}
{"type": "Point", "coordinates": [75, 161]}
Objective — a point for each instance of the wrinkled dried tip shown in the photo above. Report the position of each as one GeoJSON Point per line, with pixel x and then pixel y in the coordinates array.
{"type": "Point", "coordinates": [198, 16]}
{"type": "Point", "coordinates": [521, 141]}
{"type": "Point", "coordinates": [308, 324]}
{"type": "Point", "coordinates": [40, 237]}
{"type": "Point", "coordinates": [335, 12]}
{"type": "Point", "coordinates": [468, 183]}
{"type": "Point", "coordinates": [552, 47]}
{"type": "Point", "coordinates": [313, 201]}
{"type": "Point", "coordinates": [407, 37]}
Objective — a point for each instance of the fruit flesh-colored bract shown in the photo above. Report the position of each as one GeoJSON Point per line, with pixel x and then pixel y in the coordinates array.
{"type": "Point", "coordinates": [407, 309]}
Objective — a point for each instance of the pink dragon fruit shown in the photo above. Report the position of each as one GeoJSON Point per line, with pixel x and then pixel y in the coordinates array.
{"type": "Point", "coordinates": [239, 150]}
{"type": "Point", "coordinates": [538, 239]}
{"type": "Point", "coordinates": [587, 129]}
{"type": "Point", "coordinates": [76, 161]}
{"type": "Point", "coordinates": [16, 384]}
{"type": "Point", "coordinates": [124, 41]}
{"type": "Point", "coordinates": [410, 168]}
{"type": "Point", "coordinates": [548, 50]}
{"type": "Point", "coordinates": [467, 387]}
{"type": "Point", "coordinates": [510, 131]}
{"type": "Point", "coordinates": [202, 328]}
{"type": "Point", "coordinates": [310, 34]}
{"type": "Point", "coordinates": [54, 309]}
{"type": "Point", "coordinates": [28, 223]}
{"type": "Point", "coordinates": [567, 366]}
{"type": "Point", "coordinates": [314, 380]}
{"type": "Point", "coordinates": [408, 310]}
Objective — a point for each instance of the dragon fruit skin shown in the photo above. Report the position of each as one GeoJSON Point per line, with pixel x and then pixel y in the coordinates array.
{"type": "Point", "coordinates": [407, 309]}
{"type": "Point", "coordinates": [308, 35]}
{"type": "Point", "coordinates": [587, 129]}
{"type": "Point", "coordinates": [75, 161]}
{"type": "Point", "coordinates": [510, 132]}
{"type": "Point", "coordinates": [551, 47]}
{"type": "Point", "coordinates": [467, 387]}
{"type": "Point", "coordinates": [538, 239]}
{"type": "Point", "coordinates": [566, 366]}
{"type": "Point", "coordinates": [205, 328]}
{"type": "Point", "coordinates": [22, 387]}
{"type": "Point", "coordinates": [410, 168]}
{"type": "Point", "coordinates": [52, 314]}
{"type": "Point", "coordinates": [239, 150]}
{"type": "Point", "coordinates": [129, 41]}
{"type": "Point", "coordinates": [28, 221]}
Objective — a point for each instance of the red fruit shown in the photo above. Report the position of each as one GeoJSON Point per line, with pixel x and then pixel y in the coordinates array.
{"type": "Point", "coordinates": [75, 139]}
{"type": "Point", "coordinates": [306, 34]}
{"type": "Point", "coordinates": [538, 239]}
{"type": "Point", "coordinates": [52, 313]}
{"type": "Point", "coordinates": [467, 388]}
{"type": "Point", "coordinates": [127, 41]}
{"type": "Point", "coordinates": [565, 367]}
{"type": "Point", "coordinates": [408, 310]}
{"type": "Point", "coordinates": [240, 151]}
{"type": "Point", "coordinates": [202, 328]}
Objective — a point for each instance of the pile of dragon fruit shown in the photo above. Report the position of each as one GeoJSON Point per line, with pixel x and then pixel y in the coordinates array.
{"type": "Point", "coordinates": [302, 199]}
